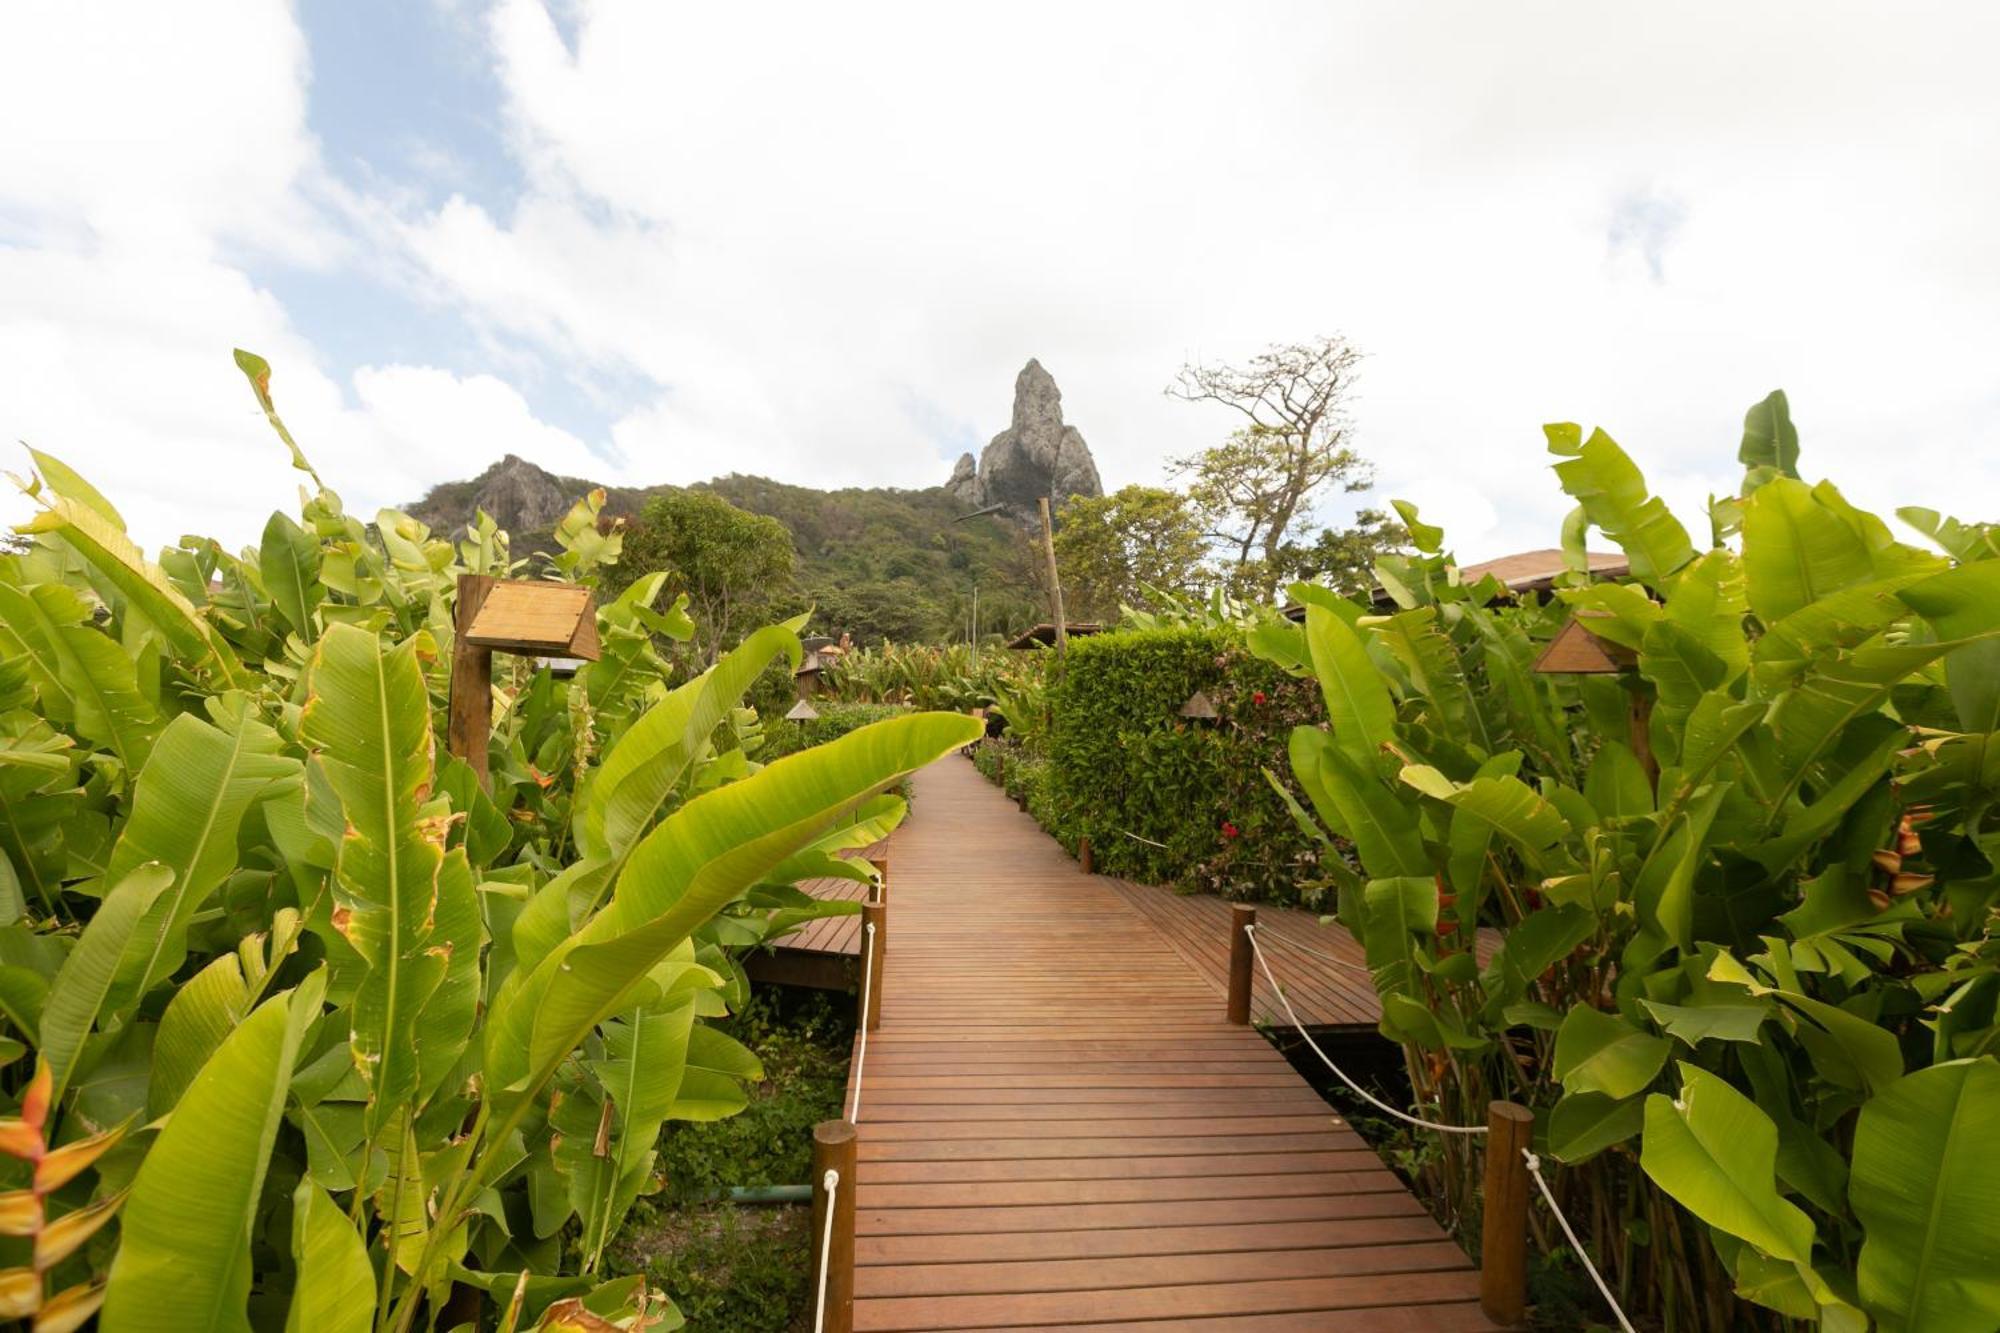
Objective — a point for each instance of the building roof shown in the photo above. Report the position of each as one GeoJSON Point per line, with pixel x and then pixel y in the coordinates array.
{"type": "Point", "coordinates": [1045, 633]}
{"type": "Point", "coordinates": [1536, 571]}
{"type": "Point", "coordinates": [1524, 571]}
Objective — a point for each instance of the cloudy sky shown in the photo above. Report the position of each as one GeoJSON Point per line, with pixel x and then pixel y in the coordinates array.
{"type": "Point", "coordinates": [657, 242]}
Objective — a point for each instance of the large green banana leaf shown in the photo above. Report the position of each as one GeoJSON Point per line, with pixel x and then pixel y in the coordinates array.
{"type": "Point", "coordinates": [184, 1263]}
{"type": "Point", "coordinates": [1716, 1154]}
{"type": "Point", "coordinates": [335, 1290]}
{"type": "Point", "coordinates": [111, 553]}
{"type": "Point", "coordinates": [288, 561]}
{"type": "Point", "coordinates": [1611, 490]}
{"type": "Point", "coordinates": [78, 997]}
{"type": "Point", "coordinates": [1926, 1186]}
{"type": "Point", "coordinates": [696, 860]}
{"type": "Point", "coordinates": [1357, 700]}
{"type": "Point", "coordinates": [84, 678]}
{"type": "Point", "coordinates": [368, 716]}
{"type": "Point", "coordinates": [644, 767]}
{"type": "Point", "coordinates": [190, 802]}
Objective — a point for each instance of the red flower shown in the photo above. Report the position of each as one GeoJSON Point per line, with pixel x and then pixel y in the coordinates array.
{"type": "Point", "coordinates": [1229, 830]}
{"type": "Point", "coordinates": [1259, 699]}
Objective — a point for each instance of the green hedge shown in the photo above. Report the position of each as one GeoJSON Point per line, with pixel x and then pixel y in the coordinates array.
{"type": "Point", "coordinates": [1165, 799]}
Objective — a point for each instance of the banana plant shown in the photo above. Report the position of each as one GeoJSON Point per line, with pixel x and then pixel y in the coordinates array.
{"type": "Point", "coordinates": [299, 1023]}
{"type": "Point", "coordinates": [1742, 883]}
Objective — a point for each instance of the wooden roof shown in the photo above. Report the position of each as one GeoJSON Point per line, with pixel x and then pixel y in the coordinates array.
{"type": "Point", "coordinates": [1524, 571]}
{"type": "Point", "coordinates": [1537, 571]}
{"type": "Point", "coordinates": [1045, 633]}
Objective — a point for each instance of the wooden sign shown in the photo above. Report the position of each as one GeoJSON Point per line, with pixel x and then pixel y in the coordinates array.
{"type": "Point", "coordinates": [509, 616]}
{"type": "Point", "coordinates": [545, 619]}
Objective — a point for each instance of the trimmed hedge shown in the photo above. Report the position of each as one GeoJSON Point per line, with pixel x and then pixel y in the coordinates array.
{"type": "Point", "coordinates": [1164, 799]}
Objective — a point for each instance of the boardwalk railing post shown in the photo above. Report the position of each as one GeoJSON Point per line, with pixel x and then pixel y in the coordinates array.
{"type": "Point", "coordinates": [881, 864]}
{"type": "Point", "coordinates": [1083, 855]}
{"type": "Point", "coordinates": [833, 1150]}
{"type": "Point", "coordinates": [1240, 960]}
{"type": "Point", "coordinates": [873, 914]}
{"type": "Point", "coordinates": [1503, 1245]}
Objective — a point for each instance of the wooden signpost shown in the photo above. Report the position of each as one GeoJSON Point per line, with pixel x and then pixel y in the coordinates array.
{"type": "Point", "coordinates": [508, 616]}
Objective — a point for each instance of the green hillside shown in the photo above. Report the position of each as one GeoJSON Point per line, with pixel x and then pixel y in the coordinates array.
{"type": "Point", "coordinates": [893, 564]}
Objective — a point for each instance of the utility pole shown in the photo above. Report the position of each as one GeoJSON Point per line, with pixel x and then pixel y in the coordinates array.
{"type": "Point", "coordinates": [1055, 583]}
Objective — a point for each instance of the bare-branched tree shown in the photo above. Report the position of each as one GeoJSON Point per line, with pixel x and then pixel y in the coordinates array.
{"type": "Point", "coordinates": [1254, 486]}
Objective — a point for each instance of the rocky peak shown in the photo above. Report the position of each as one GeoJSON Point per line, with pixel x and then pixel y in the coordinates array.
{"type": "Point", "coordinates": [520, 496]}
{"type": "Point", "coordinates": [1038, 455]}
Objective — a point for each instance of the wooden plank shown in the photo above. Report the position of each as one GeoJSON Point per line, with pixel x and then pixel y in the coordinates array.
{"type": "Point", "coordinates": [1371, 1292]}
{"type": "Point", "coordinates": [533, 616]}
{"type": "Point", "coordinates": [1060, 1129]}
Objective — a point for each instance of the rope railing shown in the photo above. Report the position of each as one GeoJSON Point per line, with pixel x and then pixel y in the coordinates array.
{"type": "Point", "coordinates": [1310, 952]}
{"type": "Point", "coordinates": [1532, 1162]}
{"type": "Point", "coordinates": [861, 1048]}
{"type": "Point", "coordinates": [1327, 1060]}
{"type": "Point", "coordinates": [1548, 1196]}
{"type": "Point", "coordinates": [830, 1183]}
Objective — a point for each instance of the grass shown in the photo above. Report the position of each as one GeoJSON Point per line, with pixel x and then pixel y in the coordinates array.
{"type": "Point", "coordinates": [743, 1268]}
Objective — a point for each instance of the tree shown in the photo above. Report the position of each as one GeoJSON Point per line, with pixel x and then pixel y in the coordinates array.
{"type": "Point", "coordinates": [1343, 558]}
{"type": "Point", "coordinates": [1111, 548]}
{"type": "Point", "coordinates": [733, 565]}
{"type": "Point", "coordinates": [1255, 486]}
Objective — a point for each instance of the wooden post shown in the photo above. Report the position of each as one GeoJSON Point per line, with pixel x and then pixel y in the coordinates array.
{"type": "Point", "coordinates": [1642, 732]}
{"type": "Point", "coordinates": [876, 915]}
{"type": "Point", "coordinates": [1083, 855]}
{"type": "Point", "coordinates": [1503, 1245]}
{"type": "Point", "coordinates": [1241, 960]}
{"type": "Point", "coordinates": [881, 864]}
{"type": "Point", "coordinates": [833, 1150]}
{"type": "Point", "coordinates": [470, 726]}
{"type": "Point", "coordinates": [1055, 583]}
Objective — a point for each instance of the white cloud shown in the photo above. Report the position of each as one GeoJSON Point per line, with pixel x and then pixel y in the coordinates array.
{"type": "Point", "coordinates": [821, 240]}
{"type": "Point", "coordinates": [151, 156]}
{"type": "Point", "coordinates": [796, 220]}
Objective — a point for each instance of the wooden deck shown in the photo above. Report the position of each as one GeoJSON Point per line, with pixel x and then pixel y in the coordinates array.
{"type": "Point", "coordinates": [1321, 967]}
{"type": "Point", "coordinates": [1058, 1128]}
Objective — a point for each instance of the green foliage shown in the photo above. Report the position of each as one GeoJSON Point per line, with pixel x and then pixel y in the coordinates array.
{"type": "Point", "coordinates": [1117, 550]}
{"type": "Point", "coordinates": [783, 737]}
{"type": "Point", "coordinates": [733, 566]}
{"type": "Point", "coordinates": [1766, 850]}
{"type": "Point", "coordinates": [892, 566]}
{"type": "Point", "coordinates": [374, 1029]}
{"type": "Point", "coordinates": [922, 676]}
{"type": "Point", "coordinates": [734, 1267]}
{"type": "Point", "coordinates": [1162, 798]}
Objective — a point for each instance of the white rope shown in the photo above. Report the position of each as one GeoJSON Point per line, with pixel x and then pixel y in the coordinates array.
{"type": "Point", "coordinates": [1324, 957]}
{"type": "Point", "coordinates": [830, 1182]}
{"type": "Point", "coordinates": [867, 983]}
{"type": "Point", "coordinates": [1535, 1170]}
{"type": "Point", "coordinates": [1359, 1091]}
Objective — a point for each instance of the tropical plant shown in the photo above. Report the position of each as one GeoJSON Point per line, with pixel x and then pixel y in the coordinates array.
{"type": "Point", "coordinates": [303, 1025]}
{"type": "Point", "coordinates": [951, 676]}
{"type": "Point", "coordinates": [1744, 881]}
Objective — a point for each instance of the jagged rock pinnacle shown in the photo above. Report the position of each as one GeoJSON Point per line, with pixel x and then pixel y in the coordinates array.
{"type": "Point", "coordinates": [1035, 456]}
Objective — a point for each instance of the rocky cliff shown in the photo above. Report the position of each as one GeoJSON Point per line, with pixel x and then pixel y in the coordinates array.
{"type": "Point", "coordinates": [1037, 455]}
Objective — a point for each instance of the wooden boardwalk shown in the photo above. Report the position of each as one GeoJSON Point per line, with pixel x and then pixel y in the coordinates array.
{"type": "Point", "coordinates": [1058, 1128]}
{"type": "Point", "coordinates": [1322, 968]}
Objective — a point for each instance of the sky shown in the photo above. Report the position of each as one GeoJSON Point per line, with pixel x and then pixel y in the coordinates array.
{"type": "Point", "coordinates": [649, 242]}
